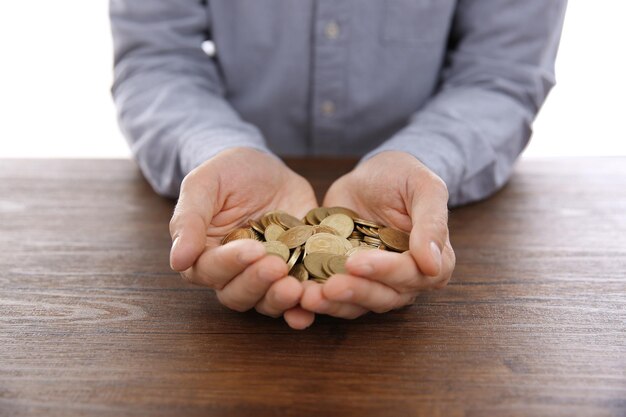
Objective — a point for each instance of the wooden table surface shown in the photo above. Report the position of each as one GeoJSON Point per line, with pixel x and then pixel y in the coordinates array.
{"type": "Point", "coordinates": [94, 323]}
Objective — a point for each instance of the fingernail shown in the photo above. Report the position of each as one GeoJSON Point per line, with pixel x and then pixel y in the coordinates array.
{"type": "Point", "coordinates": [345, 296]}
{"type": "Point", "coordinates": [174, 245]}
{"type": "Point", "coordinates": [436, 255]}
{"type": "Point", "coordinates": [252, 255]}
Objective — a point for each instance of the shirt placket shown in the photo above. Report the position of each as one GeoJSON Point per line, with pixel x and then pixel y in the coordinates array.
{"type": "Point", "coordinates": [329, 76]}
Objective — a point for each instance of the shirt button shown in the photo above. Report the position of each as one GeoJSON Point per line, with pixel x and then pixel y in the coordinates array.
{"type": "Point", "coordinates": [331, 30]}
{"type": "Point", "coordinates": [328, 108]}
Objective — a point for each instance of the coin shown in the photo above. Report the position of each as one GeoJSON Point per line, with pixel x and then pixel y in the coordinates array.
{"type": "Point", "coordinates": [299, 272]}
{"type": "Point", "coordinates": [340, 222]}
{"type": "Point", "coordinates": [293, 259]}
{"type": "Point", "coordinates": [364, 230]}
{"type": "Point", "coordinates": [337, 264]}
{"type": "Point", "coordinates": [239, 233]}
{"type": "Point", "coordinates": [343, 210]}
{"type": "Point", "coordinates": [320, 214]}
{"type": "Point", "coordinates": [318, 228]}
{"type": "Point", "coordinates": [394, 239]}
{"type": "Point", "coordinates": [277, 248]}
{"type": "Point", "coordinates": [363, 222]}
{"type": "Point", "coordinates": [287, 220]}
{"type": "Point", "coordinates": [269, 218]}
{"type": "Point", "coordinates": [272, 232]}
{"type": "Point", "coordinates": [313, 263]}
{"type": "Point", "coordinates": [327, 243]}
{"type": "Point", "coordinates": [317, 246]}
{"type": "Point", "coordinates": [359, 249]}
{"type": "Point", "coordinates": [258, 227]}
{"type": "Point", "coordinates": [372, 240]}
{"type": "Point", "coordinates": [296, 236]}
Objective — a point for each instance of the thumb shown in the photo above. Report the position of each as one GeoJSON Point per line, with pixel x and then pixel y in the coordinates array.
{"type": "Point", "coordinates": [429, 234]}
{"type": "Point", "coordinates": [192, 216]}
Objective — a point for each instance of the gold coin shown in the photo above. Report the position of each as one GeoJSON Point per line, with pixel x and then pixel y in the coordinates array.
{"type": "Point", "coordinates": [258, 227]}
{"type": "Point", "coordinates": [269, 218]}
{"type": "Point", "coordinates": [313, 263]}
{"type": "Point", "coordinates": [318, 228]}
{"type": "Point", "coordinates": [277, 248]}
{"type": "Point", "coordinates": [364, 222]}
{"type": "Point", "coordinates": [359, 249]}
{"type": "Point", "coordinates": [299, 272]}
{"type": "Point", "coordinates": [355, 234]}
{"type": "Point", "coordinates": [295, 255]}
{"type": "Point", "coordinates": [296, 236]}
{"type": "Point", "coordinates": [327, 243]}
{"type": "Point", "coordinates": [320, 214]}
{"type": "Point", "coordinates": [239, 233]}
{"type": "Point", "coordinates": [273, 232]}
{"type": "Point", "coordinates": [310, 217]}
{"type": "Point", "coordinates": [366, 231]}
{"type": "Point", "coordinates": [394, 239]}
{"type": "Point", "coordinates": [340, 222]}
{"type": "Point", "coordinates": [372, 241]}
{"type": "Point", "coordinates": [336, 264]}
{"type": "Point", "coordinates": [287, 220]}
{"type": "Point", "coordinates": [342, 210]}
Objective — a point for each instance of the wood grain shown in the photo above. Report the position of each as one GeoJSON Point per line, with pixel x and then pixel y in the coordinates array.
{"type": "Point", "coordinates": [92, 321]}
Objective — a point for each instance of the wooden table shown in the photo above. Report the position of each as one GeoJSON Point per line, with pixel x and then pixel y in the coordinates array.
{"type": "Point", "coordinates": [93, 322]}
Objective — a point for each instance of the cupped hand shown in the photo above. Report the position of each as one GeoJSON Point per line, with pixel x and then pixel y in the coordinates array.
{"type": "Point", "coordinates": [395, 189]}
{"type": "Point", "coordinates": [221, 194]}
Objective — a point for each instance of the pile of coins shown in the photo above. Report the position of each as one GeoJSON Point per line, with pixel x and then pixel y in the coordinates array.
{"type": "Point", "coordinates": [318, 246]}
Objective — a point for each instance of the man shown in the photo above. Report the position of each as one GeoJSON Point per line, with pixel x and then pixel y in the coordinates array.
{"type": "Point", "coordinates": [437, 96]}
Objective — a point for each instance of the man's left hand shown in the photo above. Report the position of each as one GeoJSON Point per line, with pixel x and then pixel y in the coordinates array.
{"type": "Point", "coordinates": [397, 190]}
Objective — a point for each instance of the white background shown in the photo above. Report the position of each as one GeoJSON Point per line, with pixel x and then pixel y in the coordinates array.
{"type": "Point", "coordinates": [55, 73]}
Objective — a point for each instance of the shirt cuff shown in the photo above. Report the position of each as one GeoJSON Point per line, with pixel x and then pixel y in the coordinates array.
{"type": "Point", "coordinates": [204, 145]}
{"type": "Point", "coordinates": [436, 152]}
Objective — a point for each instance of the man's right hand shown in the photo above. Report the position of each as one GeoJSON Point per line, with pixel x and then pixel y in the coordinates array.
{"type": "Point", "coordinates": [221, 194]}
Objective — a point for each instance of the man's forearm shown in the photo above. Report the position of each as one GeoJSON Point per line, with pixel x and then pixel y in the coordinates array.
{"type": "Point", "coordinates": [497, 75]}
{"type": "Point", "coordinates": [168, 92]}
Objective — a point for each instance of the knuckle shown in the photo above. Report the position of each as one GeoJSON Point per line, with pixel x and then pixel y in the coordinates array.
{"type": "Point", "coordinates": [409, 285]}
{"type": "Point", "coordinates": [439, 225]}
{"type": "Point", "coordinates": [189, 180]}
{"type": "Point", "coordinates": [213, 283]}
{"type": "Point", "coordinates": [230, 302]}
{"type": "Point", "coordinates": [440, 187]}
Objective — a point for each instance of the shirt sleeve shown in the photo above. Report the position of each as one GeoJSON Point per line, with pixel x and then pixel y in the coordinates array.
{"type": "Point", "coordinates": [498, 72]}
{"type": "Point", "coordinates": [168, 92]}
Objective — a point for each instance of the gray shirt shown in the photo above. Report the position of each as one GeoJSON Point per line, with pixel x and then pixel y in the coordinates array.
{"type": "Point", "coordinates": [456, 83]}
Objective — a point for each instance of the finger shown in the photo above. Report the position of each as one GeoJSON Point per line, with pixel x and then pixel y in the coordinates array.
{"type": "Point", "coordinates": [281, 296]}
{"type": "Point", "coordinates": [429, 215]}
{"type": "Point", "coordinates": [371, 295]}
{"type": "Point", "coordinates": [298, 318]}
{"type": "Point", "coordinates": [396, 270]}
{"type": "Point", "coordinates": [314, 300]}
{"type": "Point", "coordinates": [249, 287]}
{"type": "Point", "coordinates": [216, 267]}
{"type": "Point", "coordinates": [190, 221]}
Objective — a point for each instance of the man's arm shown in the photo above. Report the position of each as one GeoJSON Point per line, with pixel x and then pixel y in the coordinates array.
{"type": "Point", "coordinates": [168, 91]}
{"type": "Point", "coordinates": [497, 74]}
